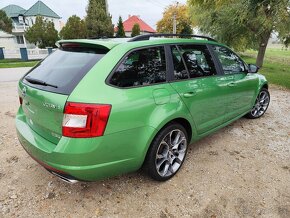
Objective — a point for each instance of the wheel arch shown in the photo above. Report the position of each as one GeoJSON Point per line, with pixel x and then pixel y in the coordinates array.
{"type": "Point", "coordinates": [185, 123]}
{"type": "Point", "coordinates": [265, 85]}
{"type": "Point", "coordinates": [180, 120]}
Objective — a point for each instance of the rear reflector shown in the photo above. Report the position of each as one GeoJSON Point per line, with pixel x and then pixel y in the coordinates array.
{"type": "Point", "coordinates": [20, 100]}
{"type": "Point", "coordinates": [85, 120]}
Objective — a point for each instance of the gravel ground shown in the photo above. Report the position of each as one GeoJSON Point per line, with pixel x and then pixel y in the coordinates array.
{"type": "Point", "coordinates": [243, 170]}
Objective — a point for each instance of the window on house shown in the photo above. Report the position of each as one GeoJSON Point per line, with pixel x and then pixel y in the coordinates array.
{"type": "Point", "coordinates": [20, 19]}
{"type": "Point", "coordinates": [20, 39]}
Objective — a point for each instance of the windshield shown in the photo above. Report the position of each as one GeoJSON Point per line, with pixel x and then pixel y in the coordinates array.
{"type": "Point", "coordinates": [62, 70]}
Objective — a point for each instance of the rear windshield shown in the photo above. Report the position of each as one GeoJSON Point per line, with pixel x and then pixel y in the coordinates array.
{"type": "Point", "coordinates": [61, 71]}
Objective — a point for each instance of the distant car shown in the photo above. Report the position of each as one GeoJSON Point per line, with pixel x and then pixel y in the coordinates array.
{"type": "Point", "coordinates": [98, 108]}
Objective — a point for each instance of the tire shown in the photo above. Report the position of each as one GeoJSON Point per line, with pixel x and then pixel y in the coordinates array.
{"type": "Point", "coordinates": [261, 105]}
{"type": "Point", "coordinates": [167, 152]}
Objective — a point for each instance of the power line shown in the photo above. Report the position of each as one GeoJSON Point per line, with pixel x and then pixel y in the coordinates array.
{"type": "Point", "coordinates": [156, 3]}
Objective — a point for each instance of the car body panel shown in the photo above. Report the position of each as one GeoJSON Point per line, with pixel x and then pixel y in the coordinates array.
{"type": "Point", "coordinates": [137, 113]}
{"type": "Point", "coordinates": [241, 93]}
{"type": "Point", "coordinates": [207, 104]}
{"type": "Point", "coordinates": [88, 159]}
{"type": "Point", "coordinates": [44, 111]}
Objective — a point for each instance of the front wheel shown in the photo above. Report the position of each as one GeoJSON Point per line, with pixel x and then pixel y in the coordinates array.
{"type": "Point", "coordinates": [261, 105]}
{"type": "Point", "coordinates": [167, 152]}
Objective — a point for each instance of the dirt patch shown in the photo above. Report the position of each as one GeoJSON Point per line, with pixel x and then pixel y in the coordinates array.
{"type": "Point", "coordinates": [240, 171]}
{"type": "Point", "coordinates": [10, 114]}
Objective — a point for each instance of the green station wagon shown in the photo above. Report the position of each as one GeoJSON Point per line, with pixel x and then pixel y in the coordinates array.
{"type": "Point", "coordinates": [98, 108]}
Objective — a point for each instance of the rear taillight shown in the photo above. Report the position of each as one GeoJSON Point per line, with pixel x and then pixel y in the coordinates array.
{"type": "Point", "coordinates": [85, 120]}
{"type": "Point", "coordinates": [20, 100]}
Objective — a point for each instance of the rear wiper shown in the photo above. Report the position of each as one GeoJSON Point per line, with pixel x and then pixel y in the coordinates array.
{"type": "Point", "coordinates": [39, 82]}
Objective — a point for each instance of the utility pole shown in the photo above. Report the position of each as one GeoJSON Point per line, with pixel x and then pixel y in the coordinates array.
{"type": "Point", "coordinates": [107, 7]}
{"type": "Point", "coordinates": [174, 23]}
{"type": "Point", "coordinates": [174, 19]}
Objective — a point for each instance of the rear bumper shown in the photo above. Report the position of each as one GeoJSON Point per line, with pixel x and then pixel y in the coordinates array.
{"type": "Point", "coordinates": [87, 159]}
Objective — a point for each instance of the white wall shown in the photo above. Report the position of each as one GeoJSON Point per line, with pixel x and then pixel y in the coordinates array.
{"type": "Point", "coordinates": [31, 20]}
{"type": "Point", "coordinates": [8, 41]}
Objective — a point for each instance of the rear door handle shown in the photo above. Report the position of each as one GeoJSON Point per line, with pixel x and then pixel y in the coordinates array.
{"type": "Point", "coordinates": [232, 84]}
{"type": "Point", "coordinates": [189, 94]}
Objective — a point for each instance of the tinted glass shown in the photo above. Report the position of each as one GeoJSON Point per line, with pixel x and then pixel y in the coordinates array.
{"type": "Point", "coordinates": [141, 67]}
{"type": "Point", "coordinates": [180, 71]}
{"type": "Point", "coordinates": [64, 69]}
{"type": "Point", "coordinates": [198, 60]}
{"type": "Point", "coordinates": [230, 62]}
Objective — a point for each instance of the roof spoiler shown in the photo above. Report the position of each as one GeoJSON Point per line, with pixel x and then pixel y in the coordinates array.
{"type": "Point", "coordinates": [85, 42]}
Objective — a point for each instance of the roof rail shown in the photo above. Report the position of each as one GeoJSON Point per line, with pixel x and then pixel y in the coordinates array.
{"type": "Point", "coordinates": [148, 36]}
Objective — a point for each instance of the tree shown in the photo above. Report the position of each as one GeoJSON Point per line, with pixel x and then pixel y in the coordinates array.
{"type": "Point", "coordinates": [42, 33]}
{"type": "Point", "coordinates": [135, 30]}
{"type": "Point", "coordinates": [75, 28]}
{"type": "Point", "coordinates": [5, 22]}
{"type": "Point", "coordinates": [50, 35]}
{"type": "Point", "coordinates": [243, 24]}
{"type": "Point", "coordinates": [120, 33]}
{"type": "Point", "coordinates": [187, 29]}
{"type": "Point", "coordinates": [98, 21]}
{"type": "Point", "coordinates": [165, 25]}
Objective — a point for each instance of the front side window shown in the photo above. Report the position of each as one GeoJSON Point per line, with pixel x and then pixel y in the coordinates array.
{"type": "Point", "coordinates": [140, 68]}
{"type": "Point", "coordinates": [230, 62]}
{"type": "Point", "coordinates": [198, 60]}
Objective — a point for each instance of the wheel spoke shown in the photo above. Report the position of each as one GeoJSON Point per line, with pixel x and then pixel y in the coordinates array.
{"type": "Point", "coordinates": [160, 156]}
{"type": "Point", "coordinates": [262, 96]}
{"type": "Point", "coordinates": [176, 139]}
{"type": "Point", "coordinates": [166, 167]}
{"type": "Point", "coordinates": [255, 112]}
{"type": "Point", "coordinates": [171, 169]}
{"type": "Point", "coordinates": [175, 147]}
{"type": "Point", "coordinates": [158, 165]}
{"type": "Point", "coordinates": [177, 160]}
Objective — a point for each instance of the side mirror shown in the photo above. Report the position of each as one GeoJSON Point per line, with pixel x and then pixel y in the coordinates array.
{"type": "Point", "coordinates": [253, 68]}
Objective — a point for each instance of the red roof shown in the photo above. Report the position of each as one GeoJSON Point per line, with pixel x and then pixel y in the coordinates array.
{"type": "Point", "coordinates": [129, 23]}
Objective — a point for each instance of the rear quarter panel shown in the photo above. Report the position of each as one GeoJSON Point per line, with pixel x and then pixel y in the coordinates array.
{"type": "Point", "coordinates": [132, 107]}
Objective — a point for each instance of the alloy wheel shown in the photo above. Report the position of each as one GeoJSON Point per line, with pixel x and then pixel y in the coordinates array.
{"type": "Point", "coordinates": [262, 103]}
{"type": "Point", "coordinates": [171, 153]}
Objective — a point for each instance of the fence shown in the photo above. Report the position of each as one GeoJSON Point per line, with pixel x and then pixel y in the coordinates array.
{"type": "Point", "coordinates": [34, 54]}
{"type": "Point", "coordinates": [11, 54]}
{"type": "Point", "coordinates": [25, 54]}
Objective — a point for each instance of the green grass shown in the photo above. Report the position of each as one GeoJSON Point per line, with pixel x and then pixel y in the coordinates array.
{"type": "Point", "coordinates": [276, 65]}
{"type": "Point", "coordinates": [13, 63]}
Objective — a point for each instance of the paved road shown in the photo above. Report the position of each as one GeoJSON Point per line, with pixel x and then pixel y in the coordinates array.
{"type": "Point", "coordinates": [12, 74]}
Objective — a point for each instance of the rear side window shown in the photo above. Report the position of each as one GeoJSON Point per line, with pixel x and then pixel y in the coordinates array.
{"type": "Point", "coordinates": [230, 62]}
{"type": "Point", "coordinates": [198, 60]}
{"type": "Point", "coordinates": [140, 68]}
{"type": "Point", "coordinates": [62, 70]}
{"type": "Point", "coordinates": [180, 71]}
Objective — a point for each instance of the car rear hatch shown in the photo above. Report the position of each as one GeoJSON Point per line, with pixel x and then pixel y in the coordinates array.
{"type": "Point", "coordinates": [44, 89]}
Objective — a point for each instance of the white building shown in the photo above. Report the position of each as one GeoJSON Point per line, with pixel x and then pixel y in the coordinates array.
{"type": "Point", "coordinates": [23, 19]}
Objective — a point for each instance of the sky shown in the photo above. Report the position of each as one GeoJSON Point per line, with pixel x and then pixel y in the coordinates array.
{"type": "Point", "coordinates": [149, 10]}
